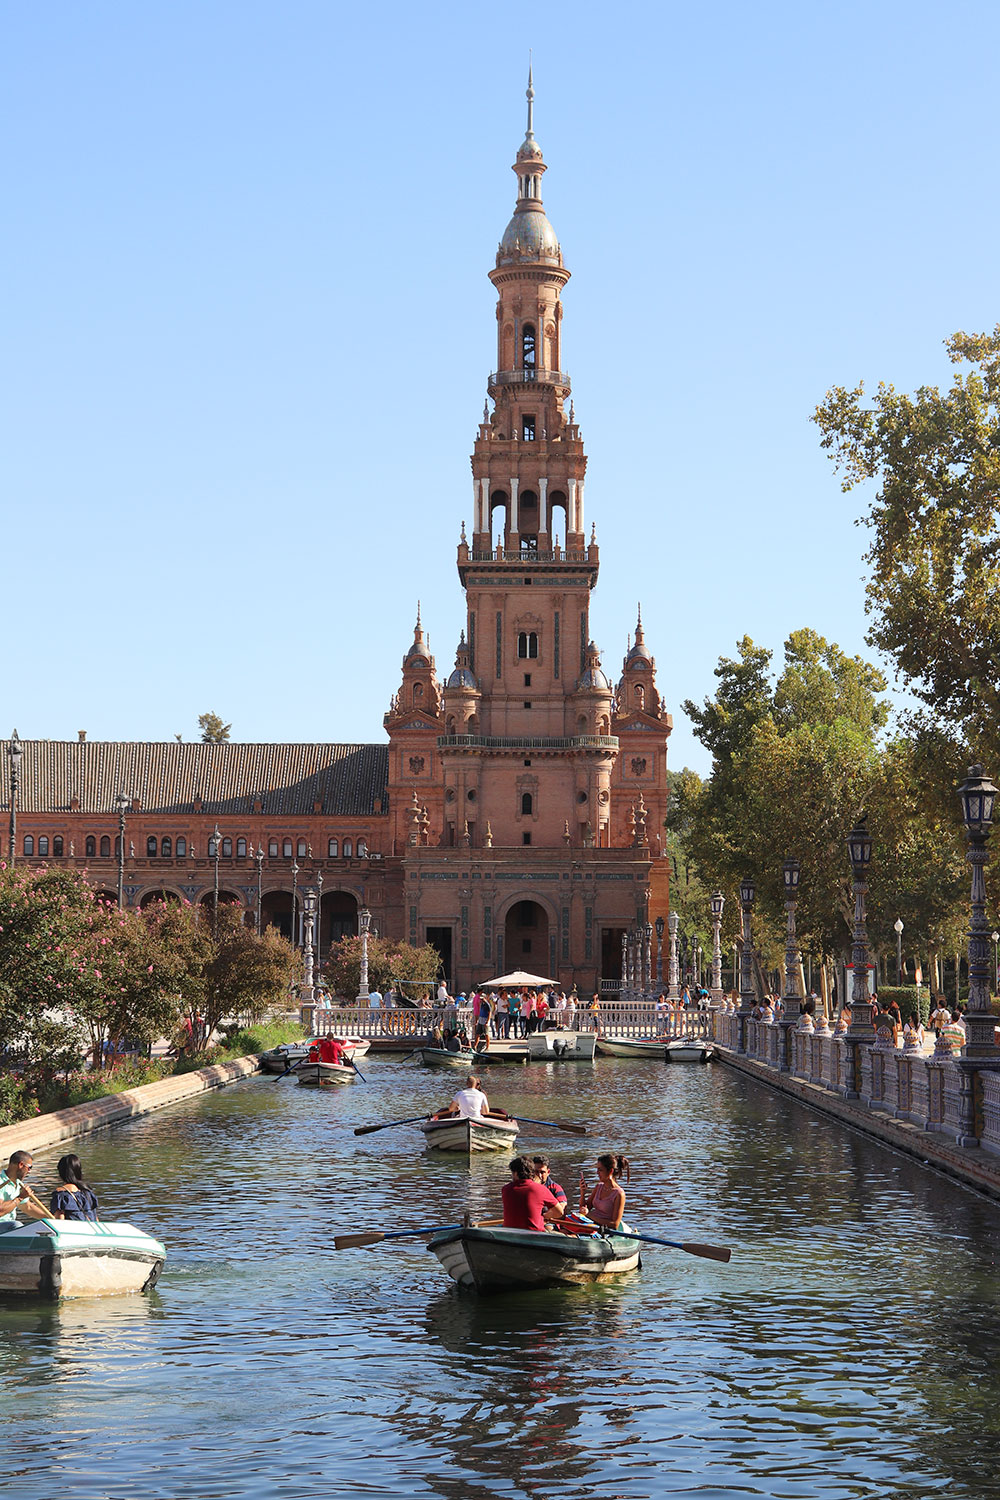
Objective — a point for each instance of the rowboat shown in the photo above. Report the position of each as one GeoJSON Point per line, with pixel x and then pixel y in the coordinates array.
{"type": "Point", "coordinates": [76, 1258]}
{"type": "Point", "coordinates": [622, 1046]}
{"type": "Point", "coordinates": [470, 1136]}
{"type": "Point", "coordinates": [561, 1044]}
{"type": "Point", "coordinates": [281, 1059]}
{"type": "Point", "coordinates": [321, 1073]}
{"type": "Point", "coordinates": [440, 1057]}
{"type": "Point", "coordinates": [690, 1049]}
{"type": "Point", "coordinates": [502, 1052]}
{"type": "Point", "coordinates": [498, 1260]}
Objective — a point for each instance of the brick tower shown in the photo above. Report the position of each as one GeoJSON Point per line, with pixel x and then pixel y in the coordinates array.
{"type": "Point", "coordinates": [516, 791]}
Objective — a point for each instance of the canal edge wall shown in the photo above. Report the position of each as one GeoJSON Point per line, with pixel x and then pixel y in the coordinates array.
{"type": "Point", "coordinates": [972, 1166]}
{"type": "Point", "coordinates": [81, 1119]}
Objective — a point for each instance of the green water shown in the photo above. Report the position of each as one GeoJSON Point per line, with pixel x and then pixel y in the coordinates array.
{"type": "Point", "coordinates": [849, 1349]}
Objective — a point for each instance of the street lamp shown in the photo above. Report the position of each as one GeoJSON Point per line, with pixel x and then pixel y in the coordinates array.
{"type": "Point", "coordinates": [259, 857]}
{"type": "Point", "coordinates": [295, 904]}
{"type": "Point", "coordinates": [319, 924]}
{"type": "Point", "coordinates": [623, 991]}
{"type": "Point", "coordinates": [364, 927]}
{"type": "Point", "coordinates": [214, 849]}
{"type": "Point", "coordinates": [792, 999]}
{"type": "Point", "coordinates": [121, 802]}
{"type": "Point", "coordinates": [859, 849]}
{"type": "Point", "coordinates": [673, 988]}
{"type": "Point", "coordinates": [897, 928]}
{"type": "Point", "coordinates": [978, 795]}
{"type": "Point", "coordinates": [684, 960]}
{"type": "Point", "coordinates": [659, 925]}
{"type": "Point", "coordinates": [647, 959]}
{"type": "Point", "coordinates": [14, 752]}
{"type": "Point", "coordinates": [309, 911]}
{"type": "Point", "coordinates": [748, 892]}
{"type": "Point", "coordinates": [716, 906]}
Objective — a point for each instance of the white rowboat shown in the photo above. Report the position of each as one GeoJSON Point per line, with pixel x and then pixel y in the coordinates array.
{"type": "Point", "coordinates": [76, 1258]}
{"type": "Point", "coordinates": [470, 1136]}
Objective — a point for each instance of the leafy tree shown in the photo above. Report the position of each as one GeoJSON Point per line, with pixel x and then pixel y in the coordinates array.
{"type": "Point", "coordinates": [213, 731]}
{"type": "Point", "coordinates": [934, 581]}
{"type": "Point", "coordinates": [388, 960]}
{"type": "Point", "coordinates": [246, 974]}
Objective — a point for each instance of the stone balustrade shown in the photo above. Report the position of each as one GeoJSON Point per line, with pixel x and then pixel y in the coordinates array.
{"type": "Point", "coordinates": [637, 1018]}
{"type": "Point", "coordinates": [934, 1090]}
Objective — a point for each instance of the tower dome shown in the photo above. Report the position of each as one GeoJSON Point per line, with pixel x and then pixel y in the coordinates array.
{"type": "Point", "coordinates": [529, 235]}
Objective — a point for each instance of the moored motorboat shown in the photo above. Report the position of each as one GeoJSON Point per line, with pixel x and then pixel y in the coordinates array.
{"type": "Point", "coordinates": [440, 1057]}
{"type": "Point", "coordinates": [77, 1258]}
{"type": "Point", "coordinates": [629, 1046]}
{"type": "Point", "coordinates": [496, 1260]}
{"type": "Point", "coordinates": [470, 1136]}
{"type": "Point", "coordinates": [315, 1073]}
{"type": "Point", "coordinates": [561, 1044]}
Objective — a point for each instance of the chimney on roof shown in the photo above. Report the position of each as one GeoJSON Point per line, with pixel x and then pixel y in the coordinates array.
{"type": "Point", "coordinates": [81, 735]}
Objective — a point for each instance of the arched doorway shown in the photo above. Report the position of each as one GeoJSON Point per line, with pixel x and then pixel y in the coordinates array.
{"type": "Point", "coordinates": [339, 917]}
{"type": "Point", "coordinates": [526, 938]}
{"type": "Point", "coordinates": [151, 897]}
{"type": "Point", "coordinates": [276, 911]}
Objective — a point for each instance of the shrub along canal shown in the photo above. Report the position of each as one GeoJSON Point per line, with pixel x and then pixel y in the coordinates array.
{"type": "Point", "coordinates": [849, 1350]}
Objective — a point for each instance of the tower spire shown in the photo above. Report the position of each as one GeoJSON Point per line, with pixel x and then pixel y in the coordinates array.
{"type": "Point", "coordinates": [530, 96]}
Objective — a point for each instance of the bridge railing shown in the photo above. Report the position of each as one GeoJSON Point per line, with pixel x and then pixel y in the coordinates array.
{"type": "Point", "coordinates": [639, 1018]}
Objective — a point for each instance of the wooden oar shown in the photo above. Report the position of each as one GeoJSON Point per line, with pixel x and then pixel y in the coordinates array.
{"type": "Point", "coordinates": [554, 1125]}
{"type": "Point", "coordinates": [357, 1070]}
{"type": "Point", "coordinates": [376, 1236]}
{"type": "Point", "coordinates": [388, 1124]}
{"type": "Point", "coordinates": [707, 1252]}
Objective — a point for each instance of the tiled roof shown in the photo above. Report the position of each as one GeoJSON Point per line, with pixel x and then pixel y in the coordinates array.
{"type": "Point", "coordinates": [348, 780]}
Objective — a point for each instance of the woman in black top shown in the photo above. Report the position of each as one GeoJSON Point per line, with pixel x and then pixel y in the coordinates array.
{"type": "Point", "coordinates": [74, 1198]}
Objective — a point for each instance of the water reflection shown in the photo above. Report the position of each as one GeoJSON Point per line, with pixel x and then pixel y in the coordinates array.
{"type": "Point", "coordinates": [849, 1350]}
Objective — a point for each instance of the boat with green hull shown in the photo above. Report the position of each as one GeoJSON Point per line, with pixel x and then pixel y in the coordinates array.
{"type": "Point", "coordinates": [55, 1258]}
{"type": "Point", "coordinates": [501, 1260]}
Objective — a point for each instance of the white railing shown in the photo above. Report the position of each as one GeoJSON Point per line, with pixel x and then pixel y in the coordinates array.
{"type": "Point", "coordinates": [615, 1018]}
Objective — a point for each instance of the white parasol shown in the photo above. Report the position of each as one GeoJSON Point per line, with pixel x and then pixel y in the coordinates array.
{"type": "Point", "coordinates": [515, 981]}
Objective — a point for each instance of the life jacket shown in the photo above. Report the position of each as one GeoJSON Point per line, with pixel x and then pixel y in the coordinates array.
{"type": "Point", "coordinates": [576, 1223]}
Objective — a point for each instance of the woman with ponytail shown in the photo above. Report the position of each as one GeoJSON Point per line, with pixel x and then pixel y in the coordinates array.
{"type": "Point", "coordinates": [74, 1198]}
{"type": "Point", "coordinates": [606, 1203]}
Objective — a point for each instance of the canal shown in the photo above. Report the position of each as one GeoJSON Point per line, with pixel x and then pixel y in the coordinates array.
{"type": "Point", "coordinates": [849, 1350]}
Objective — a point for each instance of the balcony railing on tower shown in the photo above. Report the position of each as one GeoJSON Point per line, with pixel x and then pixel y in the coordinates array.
{"type": "Point", "coordinates": [530, 375]}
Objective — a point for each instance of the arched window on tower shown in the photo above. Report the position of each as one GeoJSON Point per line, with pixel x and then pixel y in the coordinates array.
{"type": "Point", "coordinates": [528, 350]}
{"type": "Point", "coordinates": [527, 644]}
{"type": "Point", "coordinates": [57, 845]}
{"type": "Point", "coordinates": [166, 848]}
{"type": "Point", "coordinates": [151, 847]}
{"type": "Point", "coordinates": [90, 847]}
{"type": "Point", "coordinates": [241, 848]}
{"type": "Point", "coordinates": [333, 849]}
{"type": "Point", "coordinates": [182, 847]}
{"type": "Point", "coordinates": [105, 847]}
{"type": "Point", "coordinates": [527, 805]}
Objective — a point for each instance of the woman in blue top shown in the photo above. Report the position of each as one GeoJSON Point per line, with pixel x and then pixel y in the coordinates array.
{"type": "Point", "coordinates": [74, 1198]}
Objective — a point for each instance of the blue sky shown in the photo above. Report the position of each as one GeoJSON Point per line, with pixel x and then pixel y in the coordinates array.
{"type": "Point", "coordinates": [247, 327]}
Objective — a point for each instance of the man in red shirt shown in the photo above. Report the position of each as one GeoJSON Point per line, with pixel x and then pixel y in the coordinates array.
{"type": "Point", "coordinates": [527, 1204]}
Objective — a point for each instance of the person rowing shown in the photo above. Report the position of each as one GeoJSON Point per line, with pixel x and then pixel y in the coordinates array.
{"type": "Point", "coordinates": [528, 1203]}
{"type": "Point", "coordinates": [470, 1103]}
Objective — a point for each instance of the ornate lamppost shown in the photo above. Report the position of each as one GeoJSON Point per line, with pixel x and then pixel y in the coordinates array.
{"type": "Point", "coordinates": [214, 850]}
{"type": "Point", "coordinates": [748, 892]}
{"type": "Point", "coordinates": [716, 906]}
{"type": "Point", "coordinates": [623, 989]}
{"type": "Point", "coordinates": [897, 928]}
{"type": "Point", "coordinates": [978, 796]}
{"type": "Point", "coordinates": [659, 925]}
{"type": "Point", "coordinates": [295, 904]}
{"type": "Point", "coordinates": [861, 1030]}
{"type": "Point", "coordinates": [309, 911]}
{"type": "Point", "coordinates": [647, 960]}
{"type": "Point", "coordinates": [364, 927]}
{"type": "Point", "coordinates": [792, 1000]}
{"type": "Point", "coordinates": [673, 986]}
{"type": "Point", "coordinates": [319, 924]}
{"type": "Point", "coordinates": [14, 754]}
{"type": "Point", "coordinates": [259, 857]}
{"type": "Point", "coordinates": [684, 960]}
{"type": "Point", "coordinates": [122, 803]}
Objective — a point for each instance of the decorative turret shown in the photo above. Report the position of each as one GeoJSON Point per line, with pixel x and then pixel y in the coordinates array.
{"type": "Point", "coordinates": [461, 694]}
{"type": "Point", "coordinates": [420, 691]}
{"type": "Point", "coordinates": [528, 461]}
{"type": "Point", "coordinates": [637, 690]}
